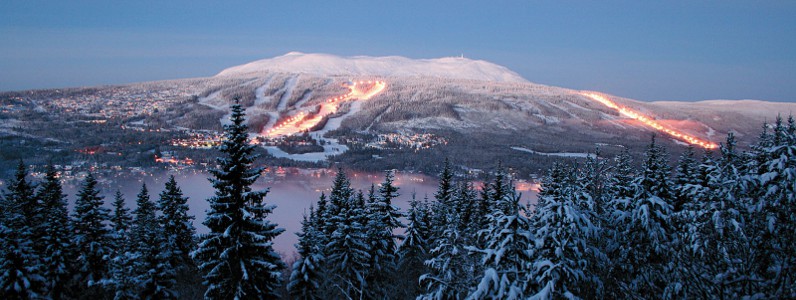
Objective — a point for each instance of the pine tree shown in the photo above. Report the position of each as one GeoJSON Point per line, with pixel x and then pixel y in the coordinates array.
{"type": "Point", "coordinates": [508, 254]}
{"type": "Point", "coordinates": [237, 256]}
{"type": "Point", "coordinates": [56, 236]}
{"type": "Point", "coordinates": [155, 275]}
{"type": "Point", "coordinates": [177, 224]}
{"type": "Point", "coordinates": [92, 237]}
{"type": "Point", "coordinates": [20, 266]}
{"type": "Point", "coordinates": [306, 277]}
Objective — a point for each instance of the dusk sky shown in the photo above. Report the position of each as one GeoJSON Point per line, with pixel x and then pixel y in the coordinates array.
{"type": "Point", "coordinates": [667, 50]}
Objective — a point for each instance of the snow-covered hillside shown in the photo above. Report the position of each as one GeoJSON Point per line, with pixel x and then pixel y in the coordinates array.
{"type": "Point", "coordinates": [388, 66]}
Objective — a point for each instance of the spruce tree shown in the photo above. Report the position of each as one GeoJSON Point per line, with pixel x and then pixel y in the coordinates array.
{"type": "Point", "coordinates": [646, 222]}
{"type": "Point", "coordinates": [507, 256]}
{"type": "Point", "coordinates": [155, 275]}
{"type": "Point", "coordinates": [383, 219]}
{"type": "Point", "coordinates": [56, 236]}
{"type": "Point", "coordinates": [177, 224]}
{"type": "Point", "coordinates": [92, 236]}
{"type": "Point", "coordinates": [563, 228]}
{"type": "Point", "coordinates": [306, 276]}
{"type": "Point", "coordinates": [443, 202]}
{"type": "Point", "coordinates": [123, 274]}
{"type": "Point", "coordinates": [414, 250]}
{"type": "Point", "coordinates": [772, 207]}
{"type": "Point", "coordinates": [348, 253]}
{"type": "Point", "coordinates": [447, 264]}
{"type": "Point", "coordinates": [237, 257]}
{"type": "Point", "coordinates": [20, 266]}
{"type": "Point", "coordinates": [120, 221]}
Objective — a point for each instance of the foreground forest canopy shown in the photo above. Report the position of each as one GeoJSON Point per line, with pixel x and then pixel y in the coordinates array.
{"type": "Point", "coordinates": [715, 226]}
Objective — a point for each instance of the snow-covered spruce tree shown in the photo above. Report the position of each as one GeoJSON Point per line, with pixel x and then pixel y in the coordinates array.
{"type": "Point", "coordinates": [499, 187]}
{"type": "Point", "coordinates": [236, 257]}
{"type": "Point", "coordinates": [340, 193]}
{"type": "Point", "coordinates": [443, 202]}
{"type": "Point", "coordinates": [121, 221]}
{"type": "Point", "coordinates": [448, 263]}
{"type": "Point", "coordinates": [383, 219]}
{"type": "Point", "coordinates": [645, 242]}
{"type": "Point", "coordinates": [687, 271]}
{"type": "Point", "coordinates": [470, 217]}
{"type": "Point", "coordinates": [56, 237]}
{"type": "Point", "coordinates": [92, 236]}
{"type": "Point", "coordinates": [154, 273]}
{"type": "Point", "coordinates": [686, 174]}
{"type": "Point", "coordinates": [413, 252]}
{"type": "Point", "coordinates": [450, 268]}
{"type": "Point", "coordinates": [727, 248]}
{"type": "Point", "coordinates": [21, 269]}
{"type": "Point", "coordinates": [713, 241]}
{"type": "Point", "coordinates": [23, 192]}
{"type": "Point", "coordinates": [620, 190]}
{"type": "Point", "coordinates": [177, 224]}
{"type": "Point", "coordinates": [563, 229]}
{"type": "Point", "coordinates": [122, 268]}
{"type": "Point", "coordinates": [348, 252]}
{"type": "Point", "coordinates": [774, 214]}
{"type": "Point", "coordinates": [123, 274]}
{"type": "Point", "coordinates": [596, 179]}
{"type": "Point", "coordinates": [507, 258]}
{"type": "Point", "coordinates": [306, 275]}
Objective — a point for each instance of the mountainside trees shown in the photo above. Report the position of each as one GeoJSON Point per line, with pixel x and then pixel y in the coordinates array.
{"type": "Point", "coordinates": [719, 226]}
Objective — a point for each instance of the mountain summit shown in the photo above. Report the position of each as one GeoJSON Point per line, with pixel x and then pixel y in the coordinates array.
{"type": "Point", "coordinates": [385, 66]}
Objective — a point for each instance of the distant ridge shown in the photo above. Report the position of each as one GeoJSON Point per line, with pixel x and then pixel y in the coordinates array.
{"type": "Point", "coordinates": [388, 66]}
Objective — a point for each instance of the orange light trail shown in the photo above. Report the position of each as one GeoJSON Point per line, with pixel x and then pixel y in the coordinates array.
{"type": "Point", "coordinates": [627, 112]}
{"type": "Point", "coordinates": [300, 122]}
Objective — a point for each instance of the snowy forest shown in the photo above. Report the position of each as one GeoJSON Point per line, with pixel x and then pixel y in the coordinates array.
{"type": "Point", "coordinates": [704, 226]}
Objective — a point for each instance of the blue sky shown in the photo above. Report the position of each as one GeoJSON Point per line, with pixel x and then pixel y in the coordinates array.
{"type": "Point", "coordinates": [647, 50]}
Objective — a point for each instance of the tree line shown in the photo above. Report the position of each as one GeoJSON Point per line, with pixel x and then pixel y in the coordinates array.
{"type": "Point", "coordinates": [48, 253]}
{"type": "Point", "coordinates": [719, 226]}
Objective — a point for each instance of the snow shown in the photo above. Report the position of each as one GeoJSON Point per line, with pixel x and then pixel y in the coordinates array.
{"type": "Point", "coordinates": [326, 64]}
{"type": "Point", "coordinates": [288, 88]}
{"type": "Point", "coordinates": [331, 147]}
{"type": "Point", "coordinates": [561, 154]}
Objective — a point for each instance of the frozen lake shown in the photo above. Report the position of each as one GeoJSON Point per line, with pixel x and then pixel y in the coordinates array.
{"type": "Point", "coordinates": [292, 192]}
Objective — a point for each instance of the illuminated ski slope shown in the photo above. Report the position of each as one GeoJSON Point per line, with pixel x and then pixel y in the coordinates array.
{"type": "Point", "coordinates": [649, 122]}
{"type": "Point", "coordinates": [304, 121]}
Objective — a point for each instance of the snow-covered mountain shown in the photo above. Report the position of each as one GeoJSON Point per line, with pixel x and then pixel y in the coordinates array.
{"type": "Point", "coordinates": [473, 110]}
{"type": "Point", "coordinates": [388, 66]}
